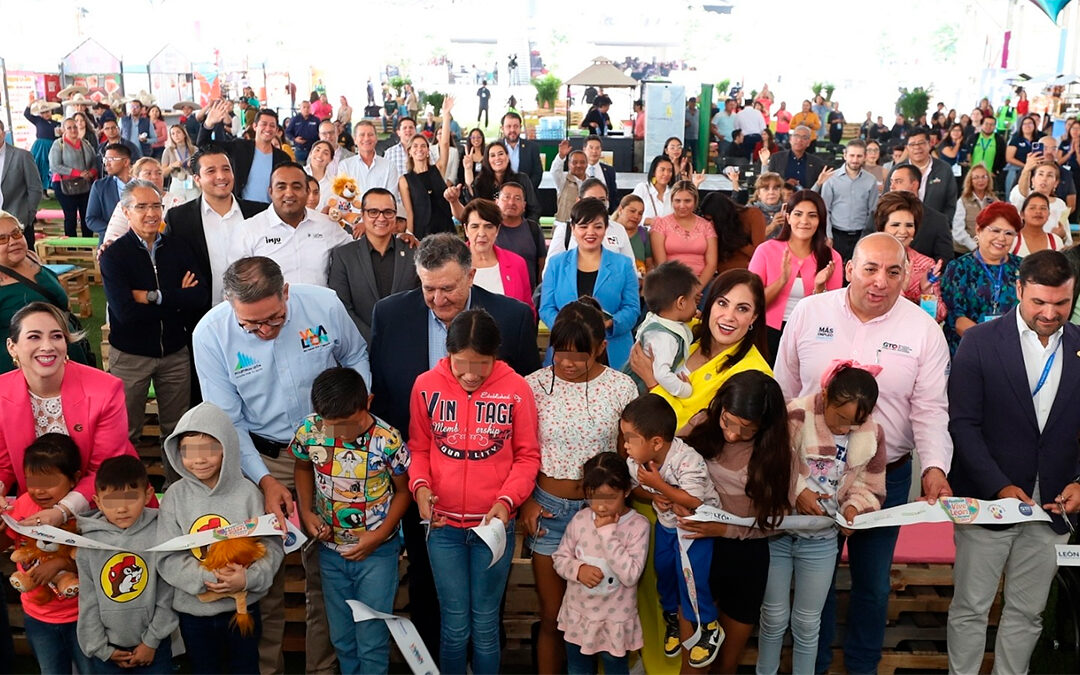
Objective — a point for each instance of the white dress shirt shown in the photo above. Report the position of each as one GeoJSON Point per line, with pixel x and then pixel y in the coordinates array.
{"type": "Point", "coordinates": [380, 173]}
{"type": "Point", "coordinates": [1036, 359]}
{"type": "Point", "coordinates": [220, 232]}
{"type": "Point", "coordinates": [303, 252]}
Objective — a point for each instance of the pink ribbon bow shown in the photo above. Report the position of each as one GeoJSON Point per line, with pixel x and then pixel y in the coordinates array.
{"type": "Point", "coordinates": [836, 365]}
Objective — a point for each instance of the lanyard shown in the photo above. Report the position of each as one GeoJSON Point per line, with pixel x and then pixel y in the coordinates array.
{"type": "Point", "coordinates": [985, 143]}
{"type": "Point", "coordinates": [1045, 373]}
{"type": "Point", "coordinates": [996, 281]}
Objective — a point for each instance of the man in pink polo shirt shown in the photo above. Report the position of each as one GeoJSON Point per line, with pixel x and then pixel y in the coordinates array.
{"type": "Point", "coordinates": [868, 322]}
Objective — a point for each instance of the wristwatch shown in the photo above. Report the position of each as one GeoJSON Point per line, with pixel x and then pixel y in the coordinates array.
{"type": "Point", "coordinates": [152, 296]}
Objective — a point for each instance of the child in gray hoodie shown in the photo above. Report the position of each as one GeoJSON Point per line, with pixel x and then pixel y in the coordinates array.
{"type": "Point", "coordinates": [212, 493]}
{"type": "Point", "coordinates": [125, 614]}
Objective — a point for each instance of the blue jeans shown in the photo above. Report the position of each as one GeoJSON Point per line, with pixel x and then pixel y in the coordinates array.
{"type": "Point", "coordinates": [562, 512]}
{"type": "Point", "coordinates": [811, 562]}
{"type": "Point", "coordinates": [361, 646]}
{"type": "Point", "coordinates": [469, 597]}
{"type": "Point", "coordinates": [56, 647]}
{"type": "Point", "coordinates": [161, 665]}
{"type": "Point", "coordinates": [670, 582]}
{"type": "Point", "coordinates": [1012, 174]}
{"type": "Point", "coordinates": [585, 664]}
{"type": "Point", "coordinates": [213, 646]}
{"type": "Point", "coordinates": [870, 555]}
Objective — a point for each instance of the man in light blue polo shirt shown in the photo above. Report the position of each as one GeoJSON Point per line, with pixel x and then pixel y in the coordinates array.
{"type": "Point", "coordinates": [256, 355]}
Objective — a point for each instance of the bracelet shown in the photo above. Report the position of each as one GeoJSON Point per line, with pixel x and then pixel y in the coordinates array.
{"type": "Point", "coordinates": [932, 278]}
{"type": "Point", "coordinates": [63, 512]}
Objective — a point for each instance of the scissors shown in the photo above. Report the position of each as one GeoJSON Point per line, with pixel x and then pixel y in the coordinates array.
{"type": "Point", "coordinates": [1065, 516]}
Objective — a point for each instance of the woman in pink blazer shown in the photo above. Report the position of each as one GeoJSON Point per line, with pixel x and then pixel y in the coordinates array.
{"type": "Point", "coordinates": [47, 393]}
{"type": "Point", "coordinates": [798, 263]}
{"type": "Point", "coordinates": [496, 269]}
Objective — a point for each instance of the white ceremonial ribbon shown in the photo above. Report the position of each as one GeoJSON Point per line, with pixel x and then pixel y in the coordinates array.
{"type": "Point", "coordinates": [406, 636]}
{"type": "Point", "coordinates": [957, 510]}
{"type": "Point", "coordinates": [263, 526]}
{"type": "Point", "coordinates": [294, 537]}
{"type": "Point", "coordinates": [712, 514]}
{"type": "Point", "coordinates": [691, 586]}
{"type": "Point", "coordinates": [1068, 555]}
{"type": "Point", "coordinates": [493, 533]}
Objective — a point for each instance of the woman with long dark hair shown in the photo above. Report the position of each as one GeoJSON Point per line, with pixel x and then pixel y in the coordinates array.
{"type": "Point", "coordinates": [799, 253]}
{"type": "Point", "coordinates": [746, 444]}
{"type": "Point", "coordinates": [1017, 150]}
{"type": "Point", "coordinates": [494, 172]}
{"type": "Point", "coordinates": [739, 230]}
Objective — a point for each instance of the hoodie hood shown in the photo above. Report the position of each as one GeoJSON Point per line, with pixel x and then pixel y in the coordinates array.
{"type": "Point", "coordinates": [209, 419]}
{"type": "Point", "coordinates": [94, 524]}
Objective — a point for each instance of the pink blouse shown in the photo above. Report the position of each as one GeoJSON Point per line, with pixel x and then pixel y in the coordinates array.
{"type": "Point", "coordinates": [768, 257]}
{"type": "Point", "coordinates": [686, 247]}
{"type": "Point", "coordinates": [920, 264]}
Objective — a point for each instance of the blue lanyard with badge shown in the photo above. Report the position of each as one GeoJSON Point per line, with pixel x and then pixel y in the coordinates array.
{"type": "Point", "coordinates": [1045, 373]}
{"type": "Point", "coordinates": [997, 284]}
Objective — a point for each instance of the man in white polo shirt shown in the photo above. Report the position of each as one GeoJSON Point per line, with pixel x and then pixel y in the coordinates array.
{"type": "Point", "coordinates": [297, 238]}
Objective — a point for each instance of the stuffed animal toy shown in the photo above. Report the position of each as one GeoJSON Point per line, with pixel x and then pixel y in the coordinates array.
{"type": "Point", "coordinates": [345, 205]}
{"type": "Point", "coordinates": [29, 553]}
{"type": "Point", "coordinates": [241, 551]}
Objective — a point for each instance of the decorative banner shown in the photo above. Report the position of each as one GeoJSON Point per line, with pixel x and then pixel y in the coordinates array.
{"type": "Point", "coordinates": [1067, 555]}
{"type": "Point", "coordinates": [494, 535]}
{"type": "Point", "coordinates": [691, 585]}
{"type": "Point", "coordinates": [711, 514]}
{"type": "Point", "coordinates": [1052, 8]}
{"type": "Point", "coordinates": [406, 636]}
{"type": "Point", "coordinates": [665, 116]}
{"type": "Point", "coordinates": [263, 526]}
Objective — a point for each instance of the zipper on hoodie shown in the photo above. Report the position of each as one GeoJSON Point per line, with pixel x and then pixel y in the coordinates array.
{"type": "Point", "coordinates": [157, 287]}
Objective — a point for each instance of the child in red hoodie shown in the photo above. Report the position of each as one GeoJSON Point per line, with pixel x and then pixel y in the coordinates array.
{"type": "Point", "coordinates": [475, 454]}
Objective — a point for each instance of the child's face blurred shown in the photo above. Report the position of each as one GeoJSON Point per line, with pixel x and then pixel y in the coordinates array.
{"type": "Point", "coordinates": [841, 418]}
{"type": "Point", "coordinates": [47, 488]}
{"type": "Point", "coordinates": [737, 428]}
{"type": "Point", "coordinates": [123, 506]}
{"type": "Point", "coordinates": [686, 306]}
{"type": "Point", "coordinates": [640, 449]}
{"type": "Point", "coordinates": [201, 455]}
{"type": "Point", "coordinates": [607, 501]}
{"type": "Point", "coordinates": [347, 428]}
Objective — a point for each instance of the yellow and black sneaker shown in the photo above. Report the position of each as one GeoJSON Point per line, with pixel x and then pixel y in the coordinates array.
{"type": "Point", "coordinates": [708, 645]}
{"type": "Point", "coordinates": [672, 643]}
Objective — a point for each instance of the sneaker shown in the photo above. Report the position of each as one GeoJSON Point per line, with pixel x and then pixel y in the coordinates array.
{"type": "Point", "coordinates": [672, 643]}
{"type": "Point", "coordinates": [708, 645]}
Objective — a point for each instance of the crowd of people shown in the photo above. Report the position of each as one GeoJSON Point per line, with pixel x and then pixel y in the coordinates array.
{"type": "Point", "coordinates": [351, 338]}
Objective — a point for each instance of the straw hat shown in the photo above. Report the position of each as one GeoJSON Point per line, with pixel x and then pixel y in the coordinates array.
{"type": "Point", "coordinates": [40, 106]}
{"type": "Point", "coordinates": [78, 99]}
{"type": "Point", "coordinates": [144, 97]}
{"type": "Point", "coordinates": [179, 105]}
{"type": "Point", "coordinates": [71, 90]}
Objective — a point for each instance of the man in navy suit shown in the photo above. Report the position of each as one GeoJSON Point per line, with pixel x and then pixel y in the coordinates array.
{"type": "Point", "coordinates": [1013, 396]}
{"type": "Point", "coordinates": [524, 155]}
{"type": "Point", "coordinates": [105, 193]}
{"type": "Point", "coordinates": [408, 337]}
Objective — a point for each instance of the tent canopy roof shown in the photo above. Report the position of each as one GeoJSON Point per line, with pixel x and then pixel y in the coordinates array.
{"type": "Point", "coordinates": [602, 73]}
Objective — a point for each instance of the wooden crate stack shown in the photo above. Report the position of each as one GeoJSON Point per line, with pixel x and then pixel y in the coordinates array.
{"type": "Point", "coordinates": [64, 250]}
{"type": "Point", "coordinates": [76, 283]}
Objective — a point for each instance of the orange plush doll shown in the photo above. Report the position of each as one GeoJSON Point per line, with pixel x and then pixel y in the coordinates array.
{"type": "Point", "coordinates": [239, 551]}
{"type": "Point", "coordinates": [30, 553]}
{"type": "Point", "coordinates": [345, 206]}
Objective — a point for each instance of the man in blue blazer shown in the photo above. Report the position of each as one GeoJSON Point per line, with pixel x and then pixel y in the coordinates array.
{"type": "Point", "coordinates": [105, 192]}
{"type": "Point", "coordinates": [408, 337]}
{"type": "Point", "coordinates": [524, 154]}
{"type": "Point", "coordinates": [1013, 395]}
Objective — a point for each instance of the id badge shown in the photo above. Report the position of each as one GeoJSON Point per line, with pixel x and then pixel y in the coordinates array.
{"type": "Point", "coordinates": [189, 183]}
{"type": "Point", "coordinates": [957, 170]}
{"type": "Point", "coordinates": [989, 317]}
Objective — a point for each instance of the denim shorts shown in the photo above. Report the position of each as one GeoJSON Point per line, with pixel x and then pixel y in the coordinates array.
{"type": "Point", "coordinates": [562, 510]}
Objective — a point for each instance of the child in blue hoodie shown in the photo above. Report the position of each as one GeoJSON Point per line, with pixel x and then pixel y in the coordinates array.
{"type": "Point", "coordinates": [205, 450]}
{"type": "Point", "coordinates": [125, 614]}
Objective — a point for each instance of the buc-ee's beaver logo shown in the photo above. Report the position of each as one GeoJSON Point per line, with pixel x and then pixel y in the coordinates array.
{"type": "Point", "coordinates": [210, 521]}
{"type": "Point", "coordinates": [124, 577]}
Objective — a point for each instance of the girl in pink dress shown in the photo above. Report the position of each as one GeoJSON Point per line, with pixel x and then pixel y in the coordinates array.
{"type": "Point", "coordinates": [601, 556]}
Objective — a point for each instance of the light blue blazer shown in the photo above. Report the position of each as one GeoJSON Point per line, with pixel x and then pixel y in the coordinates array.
{"type": "Point", "coordinates": [616, 290]}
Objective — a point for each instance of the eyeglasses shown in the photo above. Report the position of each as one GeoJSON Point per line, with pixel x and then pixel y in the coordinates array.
{"type": "Point", "coordinates": [114, 159]}
{"type": "Point", "coordinates": [373, 214]}
{"type": "Point", "coordinates": [6, 236]}
{"type": "Point", "coordinates": [997, 231]}
{"type": "Point", "coordinates": [917, 144]}
{"type": "Point", "coordinates": [255, 326]}
{"type": "Point", "coordinates": [143, 208]}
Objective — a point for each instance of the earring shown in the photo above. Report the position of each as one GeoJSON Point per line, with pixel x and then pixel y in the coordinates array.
{"type": "Point", "coordinates": [751, 327]}
{"type": "Point", "coordinates": [15, 361]}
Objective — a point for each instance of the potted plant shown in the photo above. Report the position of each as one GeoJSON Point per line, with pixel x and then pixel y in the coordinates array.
{"type": "Point", "coordinates": [829, 89]}
{"type": "Point", "coordinates": [914, 103]}
{"type": "Point", "coordinates": [547, 90]}
{"type": "Point", "coordinates": [722, 88]}
{"type": "Point", "coordinates": [436, 99]}
{"type": "Point", "coordinates": [816, 88]}
{"type": "Point", "coordinates": [397, 83]}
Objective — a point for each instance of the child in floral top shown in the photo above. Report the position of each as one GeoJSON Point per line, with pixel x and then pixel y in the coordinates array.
{"type": "Point", "coordinates": [601, 556]}
{"type": "Point", "coordinates": [353, 466]}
